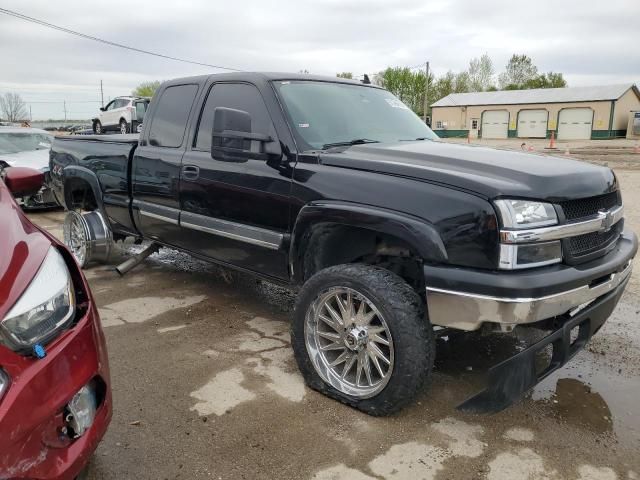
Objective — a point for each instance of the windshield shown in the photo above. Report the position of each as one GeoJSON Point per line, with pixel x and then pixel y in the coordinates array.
{"type": "Point", "coordinates": [325, 113]}
{"type": "Point", "coordinates": [15, 142]}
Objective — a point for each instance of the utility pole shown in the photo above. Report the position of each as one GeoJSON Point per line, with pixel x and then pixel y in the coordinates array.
{"type": "Point", "coordinates": [64, 105]}
{"type": "Point", "coordinates": [30, 115]}
{"type": "Point", "coordinates": [101, 95]}
{"type": "Point", "coordinates": [426, 92]}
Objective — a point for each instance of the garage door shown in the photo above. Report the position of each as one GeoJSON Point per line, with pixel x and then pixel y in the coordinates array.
{"type": "Point", "coordinates": [575, 124]}
{"type": "Point", "coordinates": [495, 124]}
{"type": "Point", "coordinates": [532, 123]}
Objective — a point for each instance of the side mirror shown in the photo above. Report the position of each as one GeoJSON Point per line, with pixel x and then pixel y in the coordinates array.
{"type": "Point", "coordinates": [102, 109]}
{"type": "Point", "coordinates": [232, 139]}
{"type": "Point", "coordinates": [22, 181]}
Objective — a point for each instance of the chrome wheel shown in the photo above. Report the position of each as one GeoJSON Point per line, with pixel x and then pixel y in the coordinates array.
{"type": "Point", "coordinates": [349, 342]}
{"type": "Point", "coordinates": [76, 236]}
{"type": "Point", "coordinates": [87, 236]}
{"type": "Point", "coordinates": [123, 128]}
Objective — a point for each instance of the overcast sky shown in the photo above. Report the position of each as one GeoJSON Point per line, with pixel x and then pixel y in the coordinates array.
{"type": "Point", "coordinates": [591, 43]}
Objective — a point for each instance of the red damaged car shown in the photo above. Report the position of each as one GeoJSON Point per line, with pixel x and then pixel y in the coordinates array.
{"type": "Point", "coordinates": [55, 398]}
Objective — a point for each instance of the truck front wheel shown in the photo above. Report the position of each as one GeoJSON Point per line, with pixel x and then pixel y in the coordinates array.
{"type": "Point", "coordinates": [360, 335]}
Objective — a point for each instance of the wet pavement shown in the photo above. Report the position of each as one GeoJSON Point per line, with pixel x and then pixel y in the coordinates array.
{"type": "Point", "coordinates": [205, 386]}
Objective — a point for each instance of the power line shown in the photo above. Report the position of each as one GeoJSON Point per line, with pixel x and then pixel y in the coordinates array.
{"type": "Point", "coordinates": [108, 42]}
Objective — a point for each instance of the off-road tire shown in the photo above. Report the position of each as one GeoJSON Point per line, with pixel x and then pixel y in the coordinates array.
{"type": "Point", "coordinates": [411, 331]}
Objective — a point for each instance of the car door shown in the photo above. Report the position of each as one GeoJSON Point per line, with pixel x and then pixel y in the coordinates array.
{"type": "Point", "coordinates": [106, 118]}
{"type": "Point", "coordinates": [235, 212]}
{"type": "Point", "coordinates": [155, 168]}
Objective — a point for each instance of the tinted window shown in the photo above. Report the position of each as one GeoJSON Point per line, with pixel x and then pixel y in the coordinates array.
{"type": "Point", "coordinates": [122, 102]}
{"type": "Point", "coordinates": [170, 118]}
{"type": "Point", "coordinates": [240, 96]}
{"type": "Point", "coordinates": [110, 105]}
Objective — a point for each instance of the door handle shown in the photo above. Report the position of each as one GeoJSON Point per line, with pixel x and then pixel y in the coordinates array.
{"type": "Point", "coordinates": [190, 172]}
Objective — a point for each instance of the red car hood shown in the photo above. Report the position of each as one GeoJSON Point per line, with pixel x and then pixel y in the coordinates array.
{"type": "Point", "coordinates": [22, 251]}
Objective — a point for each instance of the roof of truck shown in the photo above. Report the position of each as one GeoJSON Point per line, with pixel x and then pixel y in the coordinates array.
{"type": "Point", "coordinates": [269, 76]}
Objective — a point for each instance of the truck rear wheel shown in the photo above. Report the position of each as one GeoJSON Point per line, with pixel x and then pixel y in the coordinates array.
{"type": "Point", "coordinates": [87, 236]}
{"type": "Point", "coordinates": [360, 335]}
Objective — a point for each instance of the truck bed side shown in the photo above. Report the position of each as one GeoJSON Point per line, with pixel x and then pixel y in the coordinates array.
{"type": "Point", "coordinates": [96, 168]}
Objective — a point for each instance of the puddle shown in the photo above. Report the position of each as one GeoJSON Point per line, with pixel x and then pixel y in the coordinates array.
{"type": "Point", "coordinates": [593, 396]}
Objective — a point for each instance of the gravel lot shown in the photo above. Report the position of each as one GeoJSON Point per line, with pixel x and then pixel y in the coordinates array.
{"type": "Point", "coordinates": [205, 386]}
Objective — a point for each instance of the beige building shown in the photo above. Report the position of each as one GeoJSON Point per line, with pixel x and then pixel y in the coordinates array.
{"type": "Point", "coordinates": [572, 113]}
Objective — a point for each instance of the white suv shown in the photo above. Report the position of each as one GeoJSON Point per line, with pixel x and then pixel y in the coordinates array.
{"type": "Point", "coordinates": [122, 114]}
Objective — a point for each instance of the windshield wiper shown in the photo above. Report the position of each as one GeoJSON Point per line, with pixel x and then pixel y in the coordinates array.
{"type": "Point", "coordinates": [349, 143]}
{"type": "Point", "coordinates": [413, 139]}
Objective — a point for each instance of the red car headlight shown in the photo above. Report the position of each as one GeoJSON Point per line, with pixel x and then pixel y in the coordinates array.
{"type": "Point", "coordinates": [46, 307]}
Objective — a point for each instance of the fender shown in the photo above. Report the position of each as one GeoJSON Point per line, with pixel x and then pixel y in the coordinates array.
{"type": "Point", "coordinates": [75, 171]}
{"type": "Point", "coordinates": [419, 234]}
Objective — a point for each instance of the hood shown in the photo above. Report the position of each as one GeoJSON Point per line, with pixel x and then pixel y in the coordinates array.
{"type": "Point", "coordinates": [490, 172]}
{"type": "Point", "coordinates": [37, 159]}
{"type": "Point", "coordinates": [23, 249]}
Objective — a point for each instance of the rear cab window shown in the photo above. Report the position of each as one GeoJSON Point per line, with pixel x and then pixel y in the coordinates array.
{"type": "Point", "coordinates": [169, 121]}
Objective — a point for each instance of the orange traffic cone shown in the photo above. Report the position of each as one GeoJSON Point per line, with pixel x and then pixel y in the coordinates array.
{"type": "Point", "coordinates": [531, 148]}
{"type": "Point", "coordinates": [552, 142]}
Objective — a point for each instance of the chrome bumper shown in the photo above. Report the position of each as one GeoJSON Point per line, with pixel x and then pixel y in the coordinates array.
{"type": "Point", "coordinates": [468, 311]}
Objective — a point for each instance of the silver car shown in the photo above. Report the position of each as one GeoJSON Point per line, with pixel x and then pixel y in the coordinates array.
{"type": "Point", "coordinates": [28, 147]}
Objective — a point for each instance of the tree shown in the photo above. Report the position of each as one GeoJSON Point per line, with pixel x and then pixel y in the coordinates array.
{"type": "Point", "coordinates": [549, 80]}
{"type": "Point", "coordinates": [481, 73]}
{"type": "Point", "coordinates": [13, 107]}
{"type": "Point", "coordinates": [518, 72]}
{"type": "Point", "coordinates": [146, 89]}
{"type": "Point", "coordinates": [345, 75]}
{"type": "Point", "coordinates": [407, 85]}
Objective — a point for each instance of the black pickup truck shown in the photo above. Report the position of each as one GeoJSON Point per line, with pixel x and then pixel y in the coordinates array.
{"type": "Point", "coordinates": [393, 237]}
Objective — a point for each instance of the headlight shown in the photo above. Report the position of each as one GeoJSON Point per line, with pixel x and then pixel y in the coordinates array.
{"type": "Point", "coordinates": [4, 382]}
{"type": "Point", "coordinates": [44, 308]}
{"type": "Point", "coordinates": [528, 255]}
{"type": "Point", "coordinates": [526, 213]}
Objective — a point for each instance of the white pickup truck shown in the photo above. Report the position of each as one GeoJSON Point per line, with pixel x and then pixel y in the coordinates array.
{"type": "Point", "coordinates": [122, 114]}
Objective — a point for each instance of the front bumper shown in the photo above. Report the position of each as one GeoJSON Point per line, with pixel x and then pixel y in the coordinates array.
{"type": "Point", "coordinates": [466, 299]}
{"type": "Point", "coordinates": [32, 441]}
{"type": "Point", "coordinates": [509, 380]}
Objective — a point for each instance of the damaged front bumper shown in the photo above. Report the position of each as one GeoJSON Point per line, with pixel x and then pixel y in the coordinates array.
{"type": "Point", "coordinates": [465, 299]}
{"type": "Point", "coordinates": [509, 380]}
{"type": "Point", "coordinates": [573, 301]}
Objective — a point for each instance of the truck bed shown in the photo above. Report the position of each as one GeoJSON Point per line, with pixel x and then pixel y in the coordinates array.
{"type": "Point", "coordinates": [103, 162]}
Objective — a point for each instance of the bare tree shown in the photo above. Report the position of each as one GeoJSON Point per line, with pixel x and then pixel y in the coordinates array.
{"type": "Point", "coordinates": [13, 107]}
{"type": "Point", "coordinates": [481, 73]}
{"type": "Point", "coordinates": [518, 72]}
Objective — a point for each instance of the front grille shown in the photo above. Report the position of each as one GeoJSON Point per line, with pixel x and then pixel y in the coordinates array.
{"type": "Point", "coordinates": [587, 207]}
{"type": "Point", "coordinates": [594, 241]}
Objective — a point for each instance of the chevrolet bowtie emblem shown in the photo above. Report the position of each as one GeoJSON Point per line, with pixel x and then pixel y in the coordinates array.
{"type": "Point", "coordinates": [607, 219]}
